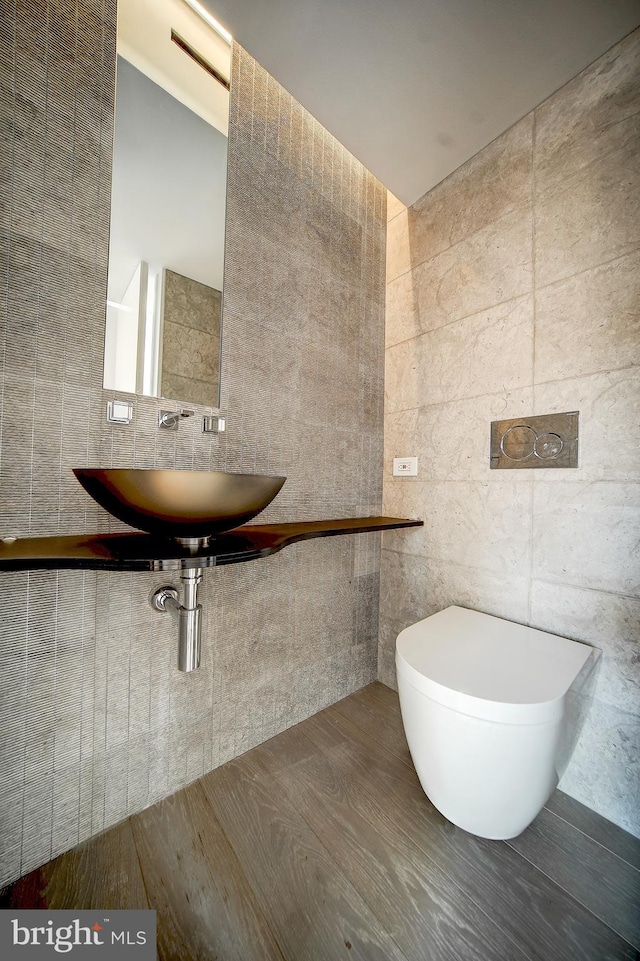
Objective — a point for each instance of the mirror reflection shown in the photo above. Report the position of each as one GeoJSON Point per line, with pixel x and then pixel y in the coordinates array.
{"type": "Point", "coordinates": [166, 252]}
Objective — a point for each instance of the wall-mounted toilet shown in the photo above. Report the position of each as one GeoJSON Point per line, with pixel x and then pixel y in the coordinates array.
{"type": "Point", "coordinates": [483, 707]}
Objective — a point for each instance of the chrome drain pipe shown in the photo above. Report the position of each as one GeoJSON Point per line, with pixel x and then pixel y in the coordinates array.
{"type": "Point", "coordinates": [189, 616]}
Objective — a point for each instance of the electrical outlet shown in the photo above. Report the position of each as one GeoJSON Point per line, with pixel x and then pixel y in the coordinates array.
{"type": "Point", "coordinates": [405, 466]}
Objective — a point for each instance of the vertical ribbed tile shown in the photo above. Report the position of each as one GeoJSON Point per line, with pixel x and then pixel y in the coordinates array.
{"type": "Point", "coordinates": [97, 722]}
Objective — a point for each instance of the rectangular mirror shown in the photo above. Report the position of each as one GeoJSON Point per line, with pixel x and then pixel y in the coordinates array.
{"type": "Point", "coordinates": [166, 248]}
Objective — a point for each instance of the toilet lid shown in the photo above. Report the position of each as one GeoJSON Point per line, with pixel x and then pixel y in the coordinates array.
{"type": "Point", "coordinates": [482, 664]}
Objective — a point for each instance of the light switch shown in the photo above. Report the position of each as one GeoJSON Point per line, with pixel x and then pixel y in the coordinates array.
{"type": "Point", "coordinates": [119, 412]}
{"type": "Point", "coordinates": [405, 466]}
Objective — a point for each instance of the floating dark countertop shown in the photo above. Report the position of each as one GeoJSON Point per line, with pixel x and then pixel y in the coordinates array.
{"type": "Point", "coordinates": [145, 552]}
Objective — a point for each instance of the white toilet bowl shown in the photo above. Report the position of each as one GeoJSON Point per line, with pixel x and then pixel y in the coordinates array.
{"type": "Point", "coordinates": [483, 707]}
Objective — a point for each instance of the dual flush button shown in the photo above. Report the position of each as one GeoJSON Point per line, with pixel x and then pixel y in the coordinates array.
{"type": "Point", "coordinates": [519, 443]}
{"type": "Point", "coordinates": [547, 441]}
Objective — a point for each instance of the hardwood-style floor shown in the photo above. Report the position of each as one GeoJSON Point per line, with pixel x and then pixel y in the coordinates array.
{"type": "Point", "coordinates": [321, 845]}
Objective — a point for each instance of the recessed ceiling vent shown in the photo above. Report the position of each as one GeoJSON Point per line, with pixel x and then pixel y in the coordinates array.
{"type": "Point", "coordinates": [199, 59]}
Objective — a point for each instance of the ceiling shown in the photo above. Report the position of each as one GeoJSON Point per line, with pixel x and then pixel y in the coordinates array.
{"type": "Point", "coordinates": [413, 88]}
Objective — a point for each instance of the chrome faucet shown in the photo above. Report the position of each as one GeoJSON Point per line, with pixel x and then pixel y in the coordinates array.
{"type": "Point", "coordinates": [169, 419]}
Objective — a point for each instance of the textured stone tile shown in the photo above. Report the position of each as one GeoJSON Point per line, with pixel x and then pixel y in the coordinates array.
{"type": "Point", "coordinates": [604, 770]}
{"type": "Point", "coordinates": [491, 266]}
{"type": "Point", "coordinates": [398, 258]}
{"type": "Point", "coordinates": [467, 523]}
{"type": "Point", "coordinates": [480, 525]}
{"type": "Point", "coordinates": [405, 497]}
{"type": "Point", "coordinates": [609, 425]}
{"type": "Point", "coordinates": [605, 302]}
{"type": "Point", "coordinates": [587, 535]}
{"type": "Point", "coordinates": [394, 206]}
{"type": "Point", "coordinates": [402, 314]}
{"type": "Point", "coordinates": [587, 175]}
{"type": "Point", "coordinates": [452, 440]}
{"type": "Point", "coordinates": [590, 117]}
{"type": "Point", "coordinates": [609, 622]}
{"type": "Point", "coordinates": [455, 253]}
{"type": "Point", "coordinates": [404, 590]}
{"type": "Point", "coordinates": [196, 358]}
{"type": "Point", "coordinates": [386, 655]}
{"type": "Point", "coordinates": [593, 216]}
{"type": "Point", "coordinates": [479, 590]}
{"type": "Point", "coordinates": [482, 354]}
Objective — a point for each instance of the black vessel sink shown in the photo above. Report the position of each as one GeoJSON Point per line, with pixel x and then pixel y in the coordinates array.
{"type": "Point", "coordinates": [183, 504]}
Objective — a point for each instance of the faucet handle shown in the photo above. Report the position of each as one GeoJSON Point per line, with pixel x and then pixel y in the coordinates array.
{"type": "Point", "coordinates": [169, 419]}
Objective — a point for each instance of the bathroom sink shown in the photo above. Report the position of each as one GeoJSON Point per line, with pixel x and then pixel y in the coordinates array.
{"type": "Point", "coordinates": [187, 505]}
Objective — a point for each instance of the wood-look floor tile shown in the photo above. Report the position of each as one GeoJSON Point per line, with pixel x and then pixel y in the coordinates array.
{"type": "Point", "coordinates": [426, 913]}
{"type": "Point", "coordinates": [527, 905]}
{"type": "Point", "coordinates": [387, 695]}
{"type": "Point", "coordinates": [206, 908]}
{"type": "Point", "coordinates": [320, 844]}
{"type": "Point", "coordinates": [367, 711]}
{"type": "Point", "coordinates": [578, 864]}
{"type": "Point", "coordinates": [314, 911]}
{"type": "Point", "coordinates": [609, 835]}
{"type": "Point", "coordinates": [103, 872]}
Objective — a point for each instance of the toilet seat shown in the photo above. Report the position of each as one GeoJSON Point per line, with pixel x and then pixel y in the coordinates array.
{"type": "Point", "coordinates": [489, 668]}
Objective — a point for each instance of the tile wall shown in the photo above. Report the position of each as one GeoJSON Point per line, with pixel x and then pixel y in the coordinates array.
{"type": "Point", "coordinates": [191, 328]}
{"type": "Point", "coordinates": [96, 721]}
{"type": "Point", "coordinates": [513, 288]}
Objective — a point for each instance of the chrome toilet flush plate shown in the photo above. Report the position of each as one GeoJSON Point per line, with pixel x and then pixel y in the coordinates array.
{"type": "Point", "coordinates": [550, 440]}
